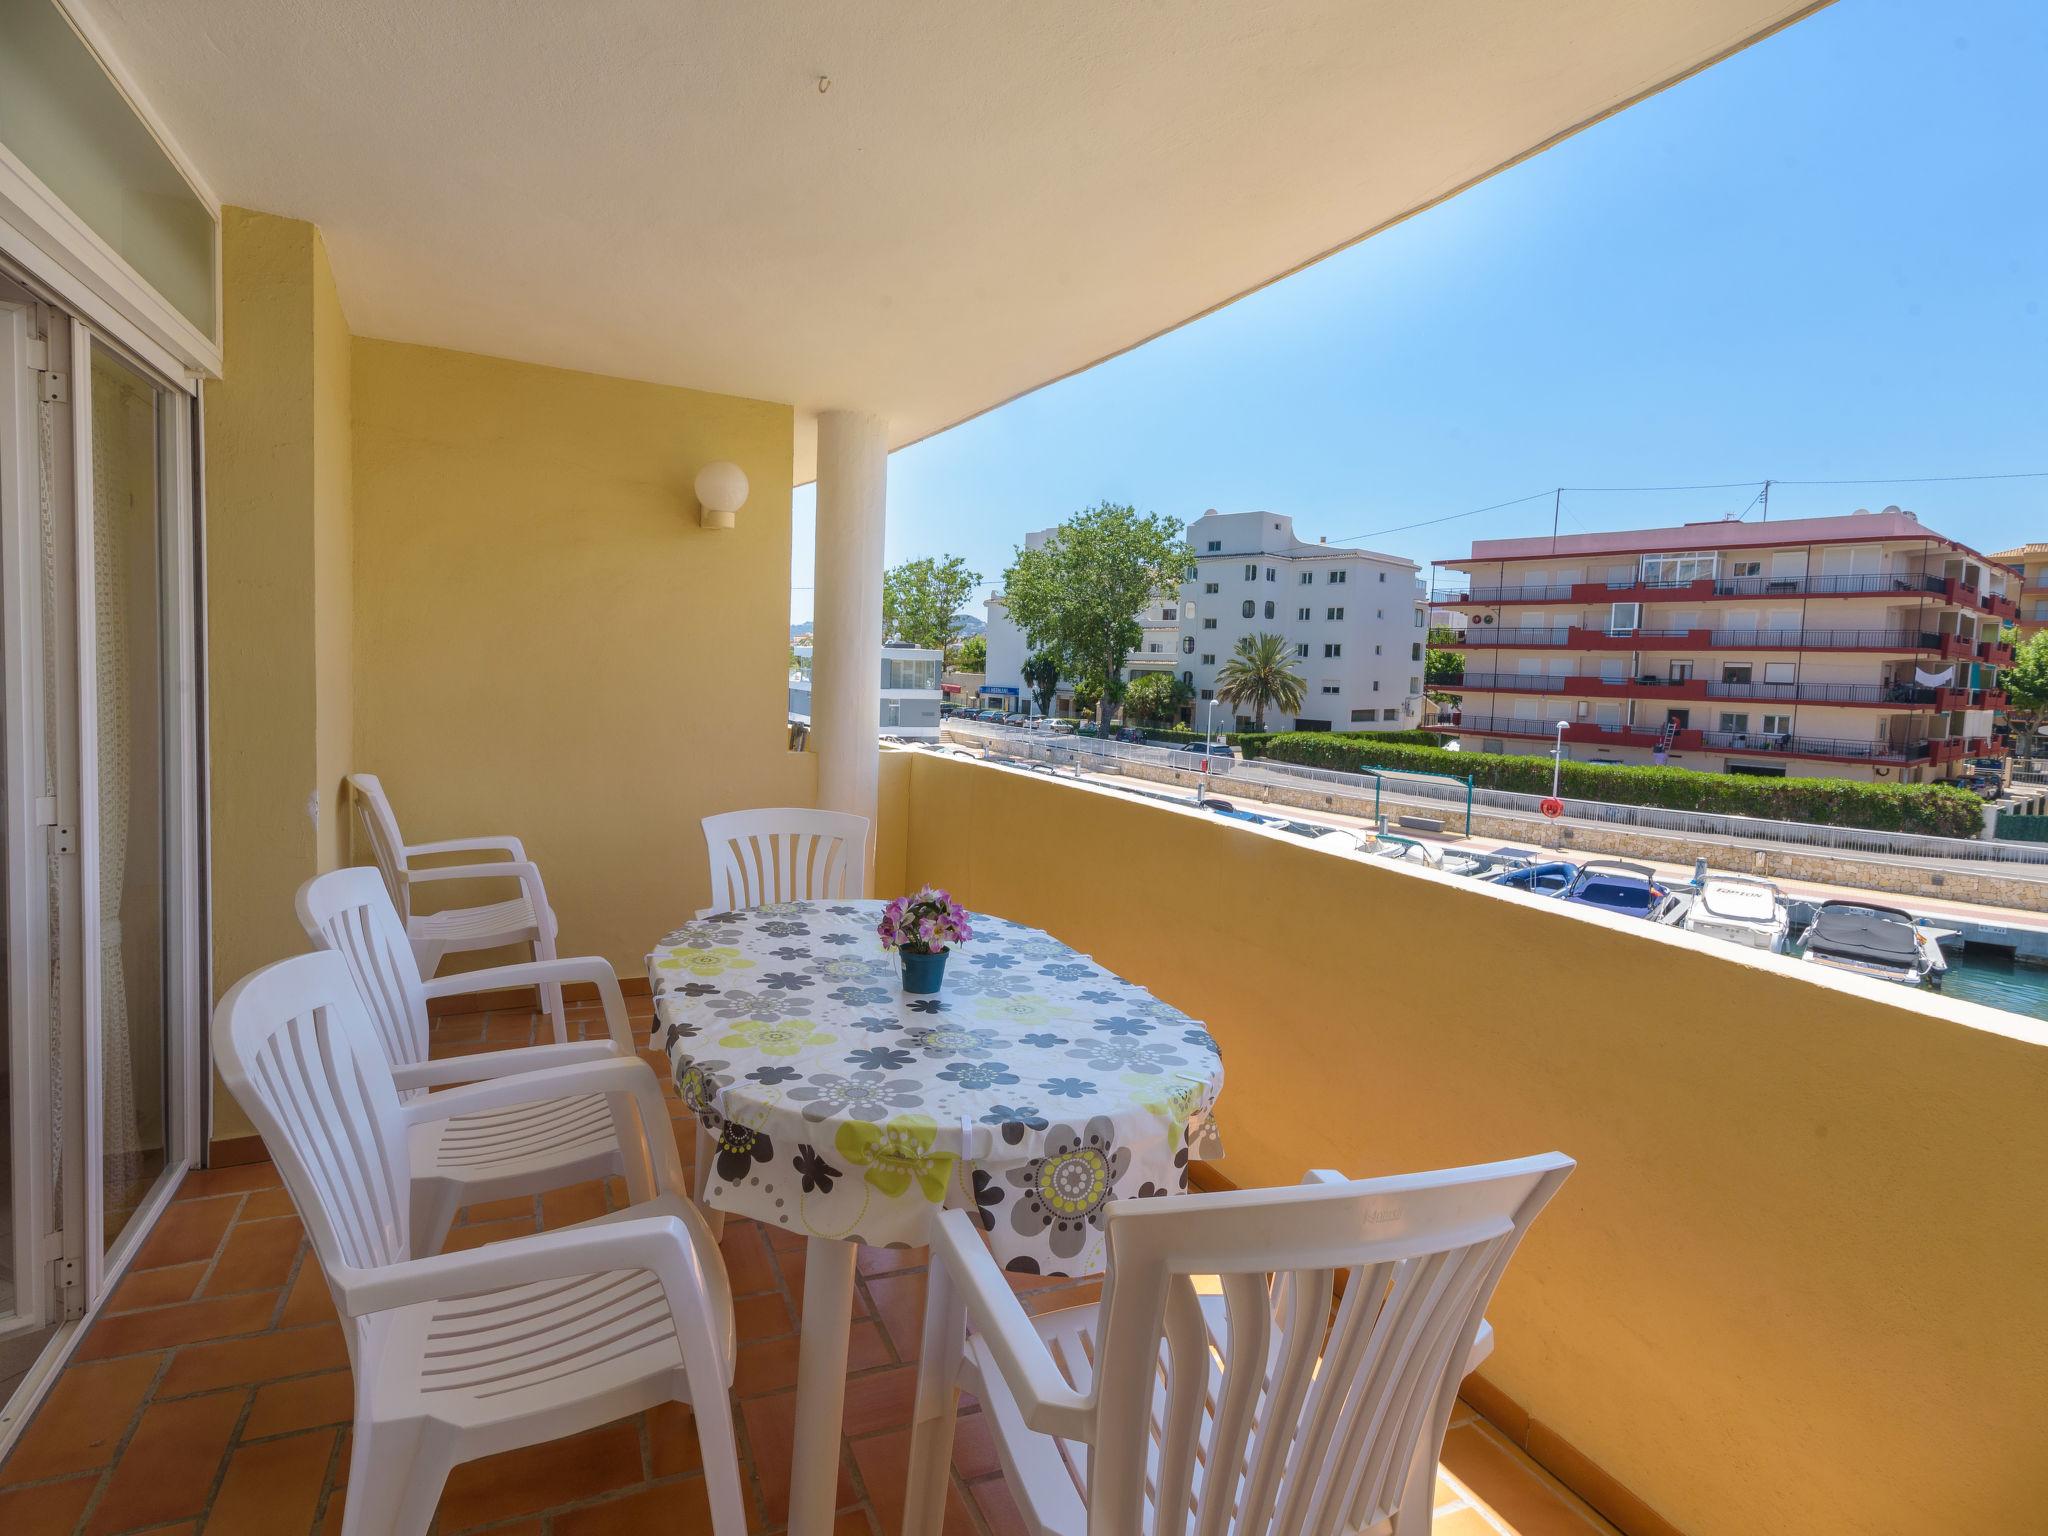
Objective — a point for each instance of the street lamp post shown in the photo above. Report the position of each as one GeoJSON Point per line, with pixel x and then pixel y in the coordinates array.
{"type": "Point", "coordinates": [1557, 758]}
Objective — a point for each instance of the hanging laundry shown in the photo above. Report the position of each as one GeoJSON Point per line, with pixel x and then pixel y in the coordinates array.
{"type": "Point", "coordinates": [1939, 679]}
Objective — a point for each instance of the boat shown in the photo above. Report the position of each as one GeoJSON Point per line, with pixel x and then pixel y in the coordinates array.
{"type": "Point", "coordinates": [1870, 940]}
{"type": "Point", "coordinates": [1391, 845]}
{"type": "Point", "coordinates": [1736, 908]}
{"type": "Point", "coordinates": [1545, 879]}
{"type": "Point", "coordinates": [1613, 886]}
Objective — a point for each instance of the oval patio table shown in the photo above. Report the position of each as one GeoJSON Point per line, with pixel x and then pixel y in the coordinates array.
{"type": "Point", "coordinates": [1031, 1091]}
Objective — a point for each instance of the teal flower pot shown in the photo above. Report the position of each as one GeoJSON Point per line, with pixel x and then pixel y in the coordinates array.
{"type": "Point", "coordinates": [923, 973]}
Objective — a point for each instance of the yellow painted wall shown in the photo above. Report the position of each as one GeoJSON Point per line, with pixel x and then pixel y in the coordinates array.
{"type": "Point", "coordinates": [277, 507]}
{"type": "Point", "coordinates": [1795, 1284]}
{"type": "Point", "coordinates": [333, 560]}
{"type": "Point", "coordinates": [547, 643]}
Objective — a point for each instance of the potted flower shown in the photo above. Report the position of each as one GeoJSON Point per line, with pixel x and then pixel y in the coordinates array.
{"type": "Point", "coordinates": [920, 929]}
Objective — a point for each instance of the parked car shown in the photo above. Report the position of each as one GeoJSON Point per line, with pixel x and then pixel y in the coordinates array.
{"type": "Point", "coordinates": [1132, 734]}
{"type": "Point", "coordinates": [1222, 752]}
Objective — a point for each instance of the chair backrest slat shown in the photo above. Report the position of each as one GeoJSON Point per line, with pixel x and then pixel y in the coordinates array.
{"type": "Point", "coordinates": [785, 854]}
{"type": "Point", "coordinates": [387, 847]}
{"type": "Point", "coordinates": [1316, 1425]}
{"type": "Point", "coordinates": [349, 912]}
{"type": "Point", "coordinates": [298, 1052]}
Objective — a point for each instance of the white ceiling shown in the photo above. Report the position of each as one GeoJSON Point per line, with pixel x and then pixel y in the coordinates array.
{"type": "Point", "coordinates": [989, 196]}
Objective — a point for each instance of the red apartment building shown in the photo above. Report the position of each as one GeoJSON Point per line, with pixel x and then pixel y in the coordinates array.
{"type": "Point", "coordinates": [1865, 646]}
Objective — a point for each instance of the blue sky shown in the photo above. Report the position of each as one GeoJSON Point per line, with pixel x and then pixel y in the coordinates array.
{"type": "Point", "coordinates": [1825, 258]}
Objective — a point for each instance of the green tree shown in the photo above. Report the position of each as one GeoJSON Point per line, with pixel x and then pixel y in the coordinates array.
{"type": "Point", "coordinates": [921, 602]}
{"type": "Point", "coordinates": [1441, 664]}
{"type": "Point", "coordinates": [1259, 676]}
{"type": "Point", "coordinates": [1079, 594]}
{"type": "Point", "coordinates": [2026, 686]}
{"type": "Point", "coordinates": [1042, 677]}
{"type": "Point", "coordinates": [1157, 698]}
{"type": "Point", "coordinates": [973, 654]}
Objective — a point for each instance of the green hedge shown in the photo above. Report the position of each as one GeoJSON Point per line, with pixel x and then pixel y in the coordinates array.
{"type": "Point", "coordinates": [2022, 829]}
{"type": "Point", "coordinates": [1941, 810]}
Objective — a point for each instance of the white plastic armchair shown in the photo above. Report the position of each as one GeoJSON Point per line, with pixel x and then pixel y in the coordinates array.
{"type": "Point", "coordinates": [523, 919]}
{"type": "Point", "coordinates": [1210, 1391]}
{"type": "Point", "coordinates": [785, 853]}
{"type": "Point", "coordinates": [545, 1142]}
{"type": "Point", "coordinates": [463, 1355]}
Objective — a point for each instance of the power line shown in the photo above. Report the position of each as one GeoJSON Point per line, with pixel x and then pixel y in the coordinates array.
{"type": "Point", "coordinates": [1432, 521]}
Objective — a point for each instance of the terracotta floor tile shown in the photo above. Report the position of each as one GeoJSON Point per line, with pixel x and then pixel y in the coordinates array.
{"type": "Point", "coordinates": [884, 1460]}
{"type": "Point", "coordinates": [476, 1235]}
{"type": "Point", "coordinates": [265, 1203]}
{"type": "Point", "coordinates": [83, 1419]}
{"type": "Point", "coordinates": [219, 1317]}
{"type": "Point", "coordinates": [998, 1508]}
{"type": "Point", "coordinates": [566, 1207]}
{"type": "Point", "coordinates": [309, 1301]}
{"type": "Point", "coordinates": [765, 1316]}
{"type": "Point", "coordinates": [747, 1264]}
{"type": "Point", "coordinates": [769, 1365]}
{"type": "Point", "coordinates": [170, 1464]}
{"type": "Point", "coordinates": [272, 1486]}
{"type": "Point", "coordinates": [263, 1357]}
{"type": "Point", "coordinates": [770, 1422]}
{"type": "Point", "coordinates": [672, 1440]}
{"type": "Point", "coordinates": [974, 1447]}
{"type": "Point", "coordinates": [885, 1261]}
{"type": "Point", "coordinates": [282, 1407]}
{"type": "Point", "coordinates": [187, 1230]}
{"type": "Point", "coordinates": [258, 1256]}
{"type": "Point", "coordinates": [496, 1210]}
{"type": "Point", "coordinates": [880, 1400]}
{"type": "Point", "coordinates": [155, 1287]}
{"type": "Point", "coordinates": [853, 1522]}
{"type": "Point", "coordinates": [202, 1183]}
{"type": "Point", "coordinates": [48, 1507]}
{"type": "Point", "coordinates": [672, 1509]}
{"type": "Point", "coordinates": [899, 1301]}
{"type": "Point", "coordinates": [539, 1477]}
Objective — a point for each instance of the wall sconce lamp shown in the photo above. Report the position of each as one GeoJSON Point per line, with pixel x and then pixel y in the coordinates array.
{"type": "Point", "coordinates": [721, 492]}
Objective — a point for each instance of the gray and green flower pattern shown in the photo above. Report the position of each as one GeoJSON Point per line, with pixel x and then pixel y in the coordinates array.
{"type": "Point", "coordinates": [1035, 1090]}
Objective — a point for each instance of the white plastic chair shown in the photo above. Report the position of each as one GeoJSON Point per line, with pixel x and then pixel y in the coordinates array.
{"type": "Point", "coordinates": [523, 919]}
{"type": "Point", "coordinates": [785, 854]}
{"type": "Point", "coordinates": [540, 1145]}
{"type": "Point", "coordinates": [1235, 1405]}
{"type": "Point", "coordinates": [463, 1355]}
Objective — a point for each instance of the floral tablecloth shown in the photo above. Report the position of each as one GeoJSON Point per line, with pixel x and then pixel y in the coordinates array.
{"type": "Point", "coordinates": [1033, 1090]}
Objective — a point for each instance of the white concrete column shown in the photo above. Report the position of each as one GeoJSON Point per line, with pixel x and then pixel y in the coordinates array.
{"type": "Point", "coordinates": [846, 639]}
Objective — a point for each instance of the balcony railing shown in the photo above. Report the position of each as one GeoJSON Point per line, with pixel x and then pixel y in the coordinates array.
{"type": "Point", "coordinates": [1814, 746]}
{"type": "Point", "coordinates": [1903, 695]}
{"type": "Point", "coordinates": [1731, 639]}
{"type": "Point", "coordinates": [1897, 583]}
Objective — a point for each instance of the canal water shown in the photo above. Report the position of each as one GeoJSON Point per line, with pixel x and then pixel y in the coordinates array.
{"type": "Point", "coordinates": [1983, 976]}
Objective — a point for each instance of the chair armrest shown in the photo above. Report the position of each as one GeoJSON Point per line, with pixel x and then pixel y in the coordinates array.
{"type": "Point", "coordinates": [660, 1244]}
{"type": "Point", "coordinates": [1049, 1403]}
{"type": "Point", "coordinates": [614, 1074]}
{"type": "Point", "coordinates": [524, 871]}
{"type": "Point", "coordinates": [507, 1063]}
{"type": "Point", "coordinates": [511, 847]}
{"type": "Point", "coordinates": [530, 973]}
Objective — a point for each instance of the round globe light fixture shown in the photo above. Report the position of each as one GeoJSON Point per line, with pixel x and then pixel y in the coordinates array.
{"type": "Point", "coordinates": [721, 492]}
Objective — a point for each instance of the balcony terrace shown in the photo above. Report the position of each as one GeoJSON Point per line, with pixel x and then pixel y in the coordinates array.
{"type": "Point", "coordinates": [1888, 641]}
{"type": "Point", "coordinates": [1641, 590]}
{"type": "Point", "coordinates": [1650, 686]}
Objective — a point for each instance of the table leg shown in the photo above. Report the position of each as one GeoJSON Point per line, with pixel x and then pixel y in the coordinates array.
{"type": "Point", "coordinates": [820, 1385]}
{"type": "Point", "coordinates": [938, 1402]}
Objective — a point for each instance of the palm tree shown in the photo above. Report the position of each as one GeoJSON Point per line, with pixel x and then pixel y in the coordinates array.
{"type": "Point", "coordinates": [1259, 674]}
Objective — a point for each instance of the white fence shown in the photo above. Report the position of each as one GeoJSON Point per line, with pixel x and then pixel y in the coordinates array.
{"type": "Point", "coordinates": [1088, 752]}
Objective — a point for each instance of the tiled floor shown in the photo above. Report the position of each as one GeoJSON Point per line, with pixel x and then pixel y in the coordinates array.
{"type": "Point", "coordinates": [213, 1395]}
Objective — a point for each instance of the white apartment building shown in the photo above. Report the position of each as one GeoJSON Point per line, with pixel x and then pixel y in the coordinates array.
{"type": "Point", "coordinates": [910, 691]}
{"type": "Point", "coordinates": [1355, 622]}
